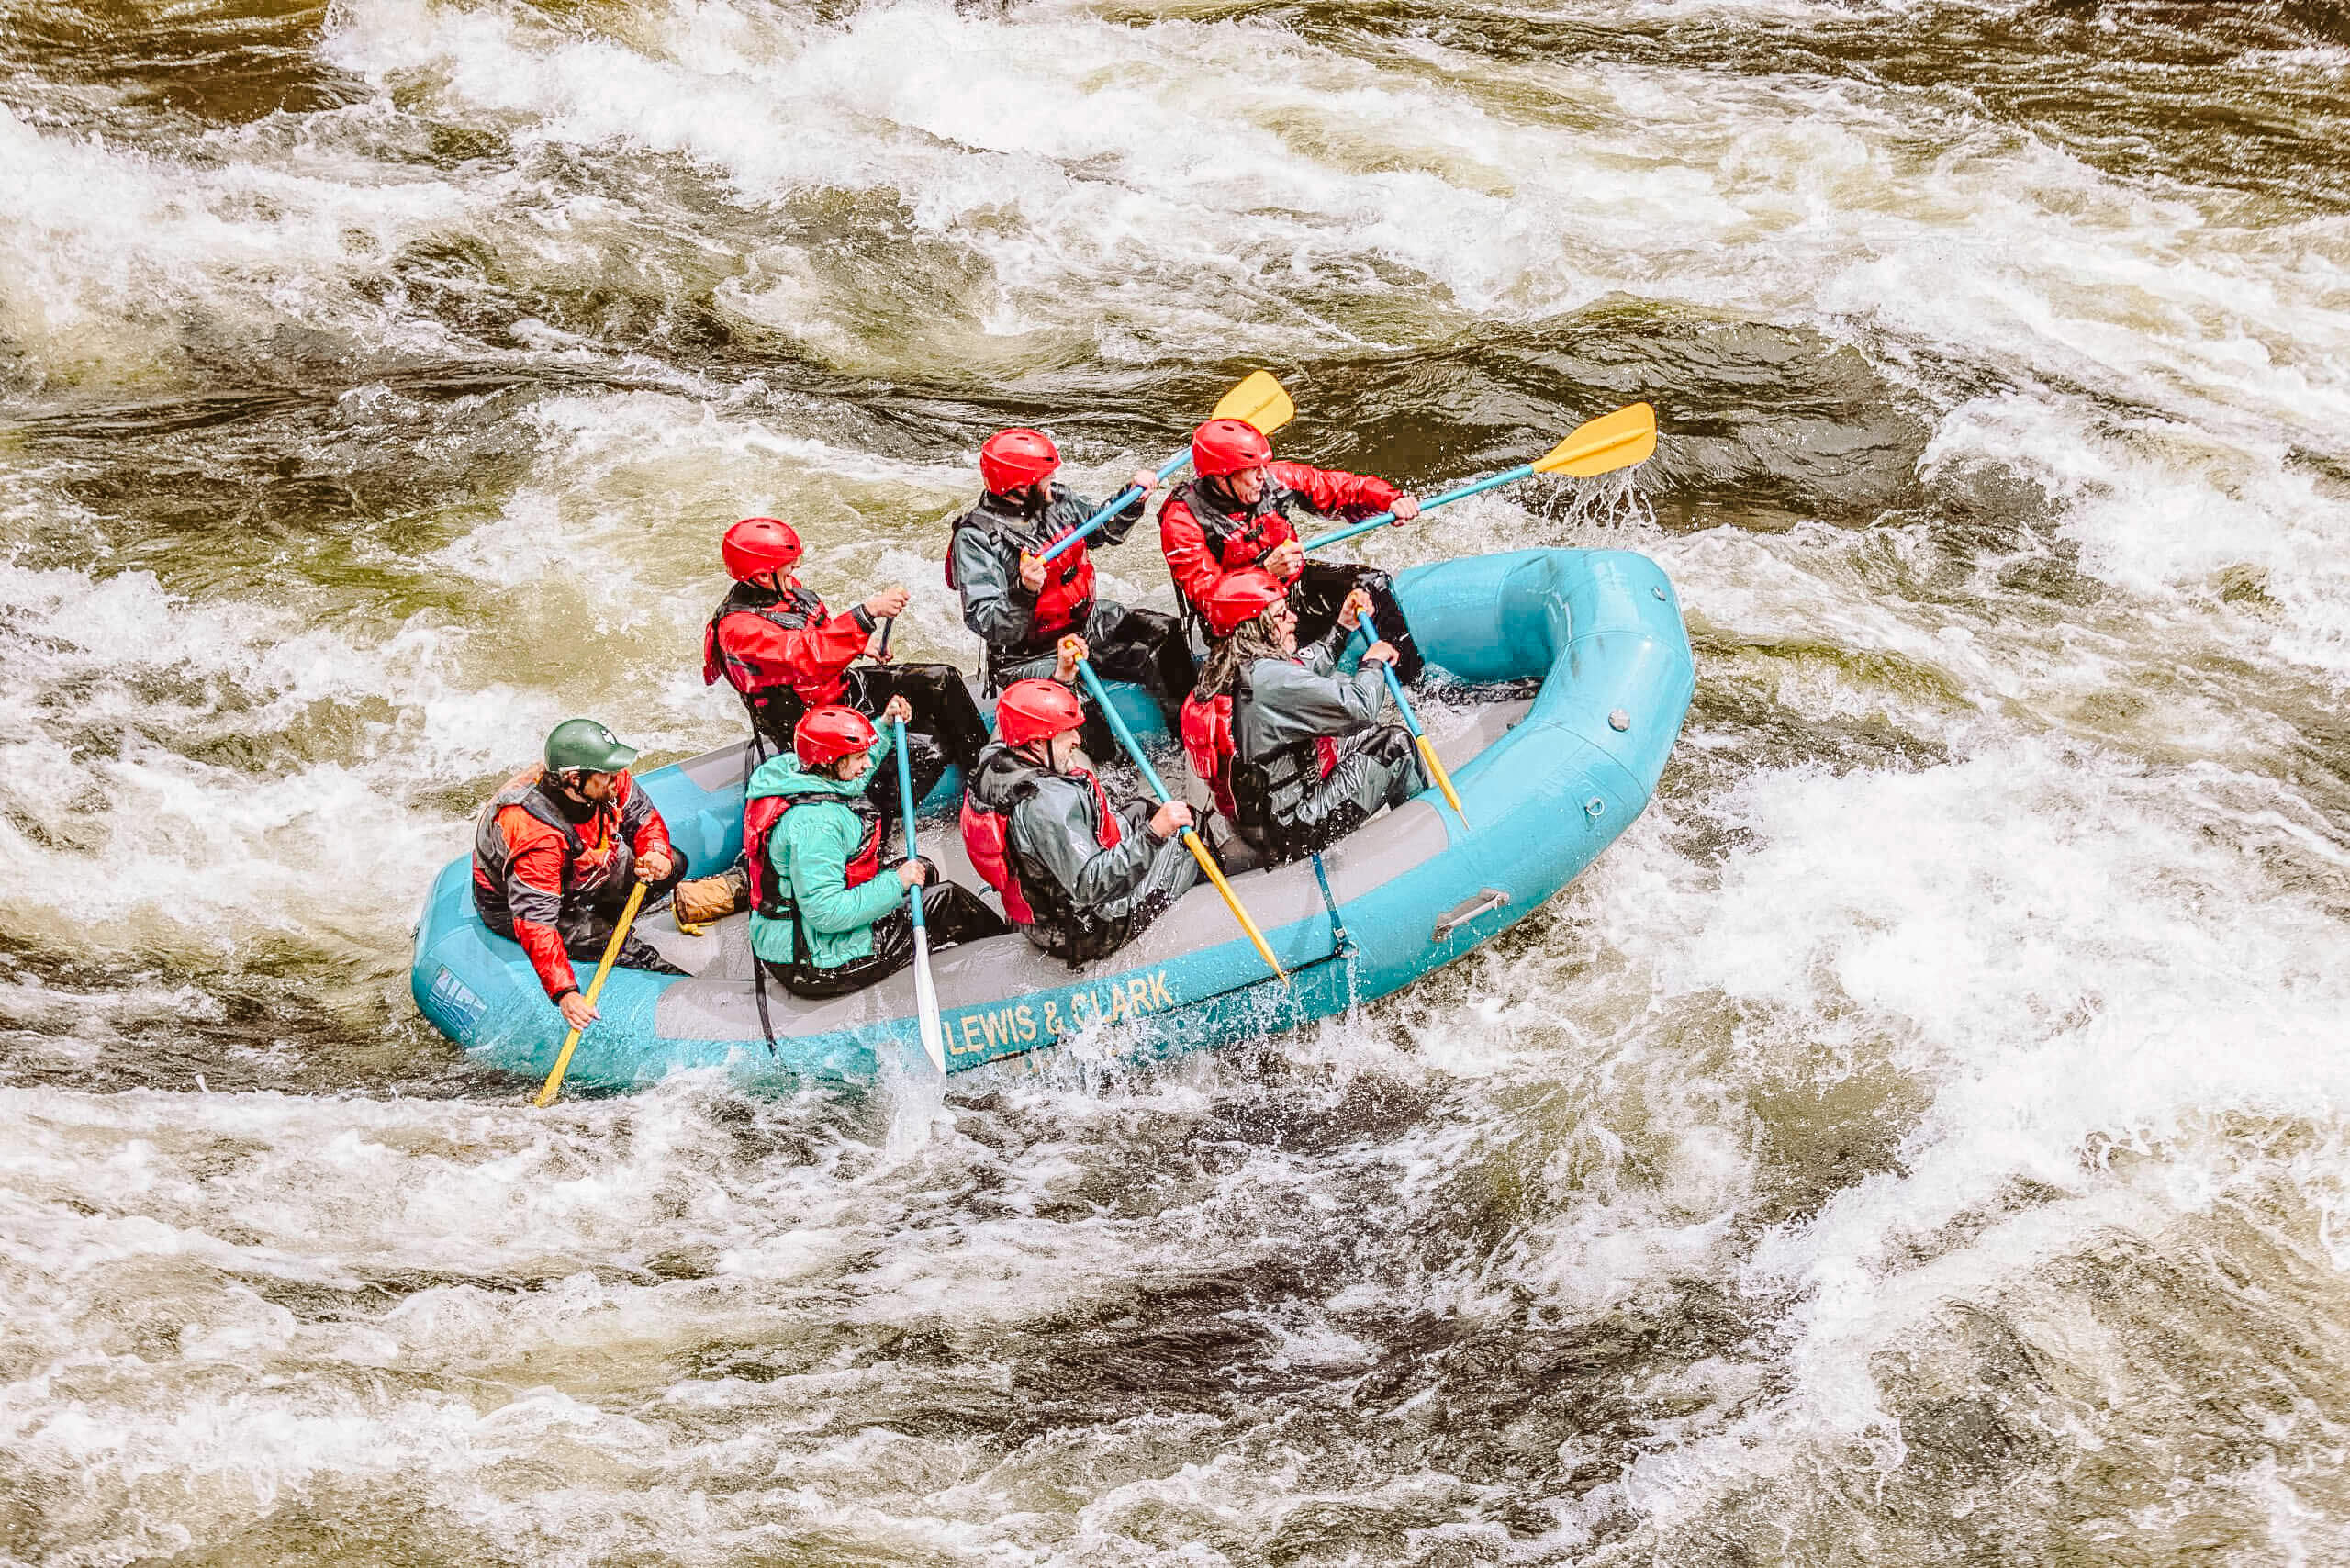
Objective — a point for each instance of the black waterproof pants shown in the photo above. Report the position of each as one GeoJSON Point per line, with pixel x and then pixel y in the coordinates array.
{"type": "Point", "coordinates": [1144, 646]}
{"type": "Point", "coordinates": [950, 912]}
{"type": "Point", "coordinates": [947, 725]}
{"type": "Point", "coordinates": [1321, 590]}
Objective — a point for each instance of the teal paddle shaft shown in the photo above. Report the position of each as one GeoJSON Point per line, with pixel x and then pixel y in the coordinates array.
{"type": "Point", "coordinates": [1338, 535]}
{"type": "Point", "coordinates": [1403, 703]}
{"type": "Point", "coordinates": [1117, 722]}
{"type": "Point", "coordinates": [1123, 499]}
{"type": "Point", "coordinates": [1191, 840]}
{"type": "Point", "coordinates": [933, 1033]}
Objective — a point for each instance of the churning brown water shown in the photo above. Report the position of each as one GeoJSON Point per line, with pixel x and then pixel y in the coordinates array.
{"type": "Point", "coordinates": [1922, 1139]}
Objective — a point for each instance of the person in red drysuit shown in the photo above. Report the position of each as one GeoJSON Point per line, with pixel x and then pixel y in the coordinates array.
{"type": "Point", "coordinates": [1241, 509]}
{"type": "Point", "coordinates": [774, 642]}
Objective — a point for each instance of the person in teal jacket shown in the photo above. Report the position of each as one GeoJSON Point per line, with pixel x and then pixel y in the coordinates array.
{"type": "Point", "coordinates": [827, 916]}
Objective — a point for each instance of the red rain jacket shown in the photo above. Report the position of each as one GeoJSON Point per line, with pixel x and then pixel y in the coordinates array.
{"type": "Point", "coordinates": [1204, 541]}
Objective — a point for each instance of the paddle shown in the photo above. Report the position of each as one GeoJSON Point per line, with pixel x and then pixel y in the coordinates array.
{"type": "Point", "coordinates": [1437, 774]}
{"type": "Point", "coordinates": [933, 1038]}
{"type": "Point", "coordinates": [1611, 441]}
{"type": "Point", "coordinates": [1191, 839]}
{"type": "Point", "coordinates": [1261, 400]}
{"type": "Point", "coordinates": [594, 987]}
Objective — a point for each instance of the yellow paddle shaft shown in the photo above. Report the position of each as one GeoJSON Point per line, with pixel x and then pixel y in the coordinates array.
{"type": "Point", "coordinates": [1232, 901]}
{"type": "Point", "coordinates": [595, 989]}
{"type": "Point", "coordinates": [1437, 772]}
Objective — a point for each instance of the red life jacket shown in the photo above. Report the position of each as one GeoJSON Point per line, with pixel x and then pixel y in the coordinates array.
{"type": "Point", "coordinates": [987, 839]}
{"type": "Point", "coordinates": [1212, 744]}
{"type": "Point", "coordinates": [798, 609]}
{"type": "Point", "coordinates": [1207, 741]}
{"type": "Point", "coordinates": [761, 814]}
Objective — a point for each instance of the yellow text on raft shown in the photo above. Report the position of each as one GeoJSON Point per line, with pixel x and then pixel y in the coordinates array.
{"type": "Point", "coordinates": [986, 1031]}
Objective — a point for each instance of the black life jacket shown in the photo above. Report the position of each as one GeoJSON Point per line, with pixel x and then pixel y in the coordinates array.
{"type": "Point", "coordinates": [1246, 536]}
{"type": "Point", "coordinates": [1269, 792]}
{"type": "Point", "coordinates": [588, 864]}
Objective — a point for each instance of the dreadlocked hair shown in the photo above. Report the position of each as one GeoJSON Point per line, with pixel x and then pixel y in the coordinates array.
{"type": "Point", "coordinates": [1250, 641]}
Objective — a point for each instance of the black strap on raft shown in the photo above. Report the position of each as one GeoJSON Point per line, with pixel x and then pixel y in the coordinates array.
{"type": "Point", "coordinates": [754, 753]}
{"type": "Point", "coordinates": [759, 989]}
{"type": "Point", "coordinates": [1344, 943]}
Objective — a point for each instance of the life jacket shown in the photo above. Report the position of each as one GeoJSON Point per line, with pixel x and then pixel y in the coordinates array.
{"type": "Point", "coordinates": [763, 814]}
{"type": "Point", "coordinates": [1207, 742]}
{"type": "Point", "coordinates": [1262, 796]}
{"type": "Point", "coordinates": [1243, 538]}
{"type": "Point", "coordinates": [1032, 895]}
{"type": "Point", "coordinates": [778, 704]}
{"type": "Point", "coordinates": [1066, 601]}
{"type": "Point", "coordinates": [589, 863]}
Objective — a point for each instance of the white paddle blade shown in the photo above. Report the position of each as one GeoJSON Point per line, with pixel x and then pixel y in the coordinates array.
{"type": "Point", "coordinates": [1611, 441]}
{"type": "Point", "coordinates": [934, 1040]}
{"type": "Point", "coordinates": [1261, 400]}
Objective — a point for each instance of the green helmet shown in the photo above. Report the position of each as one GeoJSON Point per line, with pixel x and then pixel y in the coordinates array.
{"type": "Point", "coordinates": [586, 745]}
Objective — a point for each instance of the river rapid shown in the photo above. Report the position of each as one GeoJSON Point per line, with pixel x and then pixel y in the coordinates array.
{"type": "Point", "coordinates": [1921, 1139]}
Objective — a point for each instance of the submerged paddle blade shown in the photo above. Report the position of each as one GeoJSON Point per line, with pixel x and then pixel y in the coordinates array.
{"type": "Point", "coordinates": [1611, 441]}
{"type": "Point", "coordinates": [1261, 400]}
{"type": "Point", "coordinates": [933, 1043]}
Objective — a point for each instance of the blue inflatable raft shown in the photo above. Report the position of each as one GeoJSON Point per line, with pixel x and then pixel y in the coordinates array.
{"type": "Point", "coordinates": [1547, 782]}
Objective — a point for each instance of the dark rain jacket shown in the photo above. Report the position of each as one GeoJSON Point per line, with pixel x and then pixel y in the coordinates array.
{"type": "Point", "coordinates": [1088, 900]}
{"type": "Point", "coordinates": [984, 565]}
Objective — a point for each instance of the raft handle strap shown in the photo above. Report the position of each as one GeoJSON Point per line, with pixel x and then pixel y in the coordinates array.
{"type": "Point", "coordinates": [1344, 944]}
{"type": "Point", "coordinates": [759, 989]}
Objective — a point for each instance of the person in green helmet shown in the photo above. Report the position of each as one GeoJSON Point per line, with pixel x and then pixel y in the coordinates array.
{"type": "Point", "coordinates": [555, 851]}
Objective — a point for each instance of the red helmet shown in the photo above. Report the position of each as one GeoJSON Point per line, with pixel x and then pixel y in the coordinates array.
{"type": "Point", "coordinates": [1014, 459]}
{"type": "Point", "coordinates": [829, 733]}
{"type": "Point", "coordinates": [757, 545]}
{"type": "Point", "coordinates": [1228, 446]}
{"type": "Point", "coordinates": [1033, 709]}
{"type": "Point", "coordinates": [1239, 597]}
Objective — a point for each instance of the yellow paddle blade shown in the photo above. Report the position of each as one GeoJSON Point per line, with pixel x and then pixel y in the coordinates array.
{"type": "Point", "coordinates": [1611, 441]}
{"type": "Point", "coordinates": [1232, 901]}
{"type": "Point", "coordinates": [1443, 780]}
{"type": "Point", "coordinates": [1262, 400]}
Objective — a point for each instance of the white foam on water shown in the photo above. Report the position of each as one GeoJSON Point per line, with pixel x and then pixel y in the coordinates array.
{"type": "Point", "coordinates": [2060, 948]}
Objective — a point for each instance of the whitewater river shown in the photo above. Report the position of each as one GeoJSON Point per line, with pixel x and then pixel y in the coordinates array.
{"type": "Point", "coordinates": [1924, 1137]}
